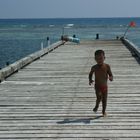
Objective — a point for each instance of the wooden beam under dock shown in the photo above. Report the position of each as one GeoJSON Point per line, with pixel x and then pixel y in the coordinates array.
{"type": "Point", "coordinates": [50, 98]}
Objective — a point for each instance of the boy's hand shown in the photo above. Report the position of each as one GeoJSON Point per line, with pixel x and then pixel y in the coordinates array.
{"type": "Point", "coordinates": [91, 82]}
{"type": "Point", "coordinates": [111, 78]}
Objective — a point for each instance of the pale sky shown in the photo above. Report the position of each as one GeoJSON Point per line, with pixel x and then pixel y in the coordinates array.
{"type": "Point", "coordinates": [69, 8]}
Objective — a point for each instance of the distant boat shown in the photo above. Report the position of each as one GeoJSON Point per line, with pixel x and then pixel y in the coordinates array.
{"type": "Point", "coordinates": [51, 25]}
{"type": "Point", "coordinates": [70, 25]}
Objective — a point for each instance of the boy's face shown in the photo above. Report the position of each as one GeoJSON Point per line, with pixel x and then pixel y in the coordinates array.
{"type": "Point", "coordinates": [100, 59]}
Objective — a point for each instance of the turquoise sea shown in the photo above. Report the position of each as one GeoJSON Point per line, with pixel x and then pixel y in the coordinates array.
{"type": "Point", "coordinates": [21, 37]}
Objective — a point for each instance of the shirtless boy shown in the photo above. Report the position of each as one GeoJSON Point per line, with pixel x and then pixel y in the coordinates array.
{"type": "Point", "coordinates": [102, 72]}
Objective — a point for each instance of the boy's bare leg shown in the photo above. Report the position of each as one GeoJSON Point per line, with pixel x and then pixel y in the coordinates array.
{"type": "Point", "coordinates": [98, 99]}
{"type": "Point", "coordinates": [104, 103]}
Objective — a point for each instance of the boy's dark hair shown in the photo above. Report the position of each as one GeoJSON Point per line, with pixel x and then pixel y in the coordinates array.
{"type": "Point", "coordinates": [99, 52]}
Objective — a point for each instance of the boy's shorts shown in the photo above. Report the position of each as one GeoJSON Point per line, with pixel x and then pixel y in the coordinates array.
{"type": "Point", "coordinates": [102, 88]}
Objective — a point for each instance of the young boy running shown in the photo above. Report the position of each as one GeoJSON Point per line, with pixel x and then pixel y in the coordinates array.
{"type": "Point", "coordinates": [102, 72]}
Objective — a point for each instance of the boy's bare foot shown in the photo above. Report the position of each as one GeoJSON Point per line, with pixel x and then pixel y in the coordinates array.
{"type": "Point", "coordinates": [95, 109]}
{"type": "Point", "coordinates": [105, 114]}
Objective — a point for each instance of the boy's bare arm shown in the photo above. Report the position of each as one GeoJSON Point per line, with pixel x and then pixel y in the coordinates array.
{"type": "Point", "coordinates": [90, 76]}
{"type": "Point", "coordinates": [110, 73]}
{"type": "Point", "coordinates": [111, 78]}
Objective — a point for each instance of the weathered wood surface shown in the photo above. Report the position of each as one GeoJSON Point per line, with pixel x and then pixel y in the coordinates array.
{"type": "Point", "coordinates": [51, 98]}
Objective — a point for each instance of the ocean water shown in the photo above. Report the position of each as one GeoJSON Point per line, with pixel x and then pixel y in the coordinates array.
{"type": "Point", "coordinates": [21, 37]}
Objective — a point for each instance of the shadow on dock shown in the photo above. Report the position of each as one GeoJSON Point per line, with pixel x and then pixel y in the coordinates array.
{"type": "Point", "coordinates": [80, 120]}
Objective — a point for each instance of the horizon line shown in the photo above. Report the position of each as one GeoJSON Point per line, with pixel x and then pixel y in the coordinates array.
{"type": "Point", "coordinates": [63, 17]}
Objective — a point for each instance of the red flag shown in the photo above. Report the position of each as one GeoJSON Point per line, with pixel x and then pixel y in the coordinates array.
{"type": "Point", "coordinates": [132, 24]}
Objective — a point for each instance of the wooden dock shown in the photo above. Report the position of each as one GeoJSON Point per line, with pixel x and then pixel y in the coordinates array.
{"type": "Point", "coordinates": [51, 99]}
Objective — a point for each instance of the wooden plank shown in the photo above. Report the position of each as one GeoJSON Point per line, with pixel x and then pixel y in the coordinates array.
{"type": "Point", "coordinates": [51, 98]}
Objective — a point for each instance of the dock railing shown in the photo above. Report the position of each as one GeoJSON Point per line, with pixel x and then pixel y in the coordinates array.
{"type": "Point", "coordinates": [132, 47]}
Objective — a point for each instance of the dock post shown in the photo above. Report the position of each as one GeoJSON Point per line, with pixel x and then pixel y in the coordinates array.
{"type": "Point", "coordinates": [42, 46]}
{"type": "Point", "coordinates": [97, 36]}
{"type": "Point", "coordinates": [7, 63]}
{"type": "Point", "coordinates": [48, 41]}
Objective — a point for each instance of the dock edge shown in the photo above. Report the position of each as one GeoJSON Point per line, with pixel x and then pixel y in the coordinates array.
{"type": "Point", "coordinates": [12, 68]}
{"type": "Point", "coordinates": [132, 47]}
